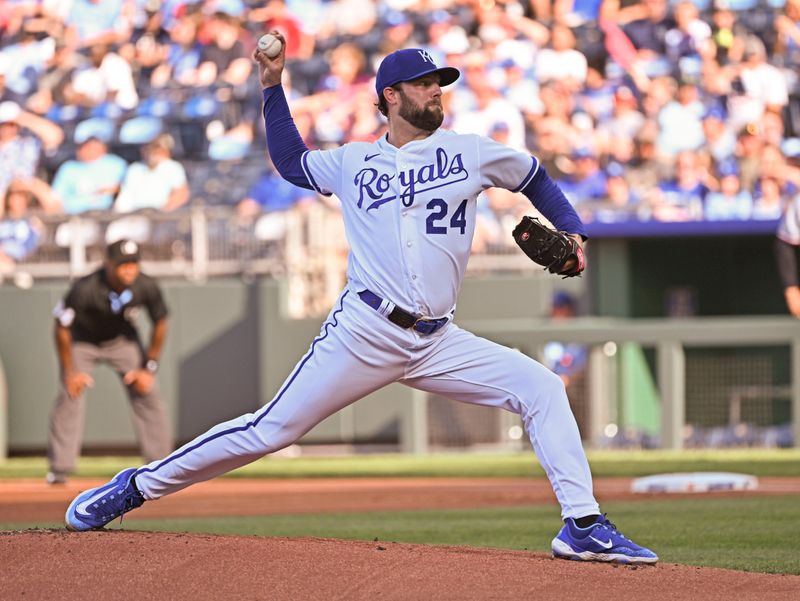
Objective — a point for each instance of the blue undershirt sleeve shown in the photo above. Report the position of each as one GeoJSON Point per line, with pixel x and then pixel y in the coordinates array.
{"type": "Point", "coordinates": [548, 198]}
{"type": "Point", "coordinates": [285, 146]}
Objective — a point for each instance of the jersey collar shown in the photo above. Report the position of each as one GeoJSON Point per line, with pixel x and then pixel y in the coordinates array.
{"type": "Point", "coordinates": [383, 142]}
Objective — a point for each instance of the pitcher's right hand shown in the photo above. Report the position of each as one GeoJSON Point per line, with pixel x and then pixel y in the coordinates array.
{"type": "Point", "coordinates": [270, 69]}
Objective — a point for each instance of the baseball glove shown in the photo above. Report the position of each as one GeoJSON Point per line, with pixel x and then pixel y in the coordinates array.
{"type": "Point", "coordinates": [549, 248]}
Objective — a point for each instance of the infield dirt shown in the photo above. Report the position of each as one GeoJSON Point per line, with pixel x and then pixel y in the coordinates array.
{"type": "Point", "coordinates": [55, 564]}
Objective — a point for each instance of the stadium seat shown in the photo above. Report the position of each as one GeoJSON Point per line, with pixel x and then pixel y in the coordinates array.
{"type": "Point", "coordinates": [271, 227]}
{"type": "Point", "coordinates": [64, 113]}
{"type": "Point", "coordinates": [227, 148]}
{"type": "Point", "coordinates": [155, 107]}
{"type": "Point", "coordinates": [132, 227]}
{"type": "Point", "coordinates": [200, 107]}
{"type": "Point", "coordinates": [140, 130]}
{"type": "Point", "coordinates": [100, 127]}
{"type": "Point", "coordinates": [85, 230]}
{"type": "Point", "coordinates": [107, 110]}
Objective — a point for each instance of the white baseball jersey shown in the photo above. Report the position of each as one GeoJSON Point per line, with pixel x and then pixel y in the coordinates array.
{"type": "Point", "coordinates": [410, 212]}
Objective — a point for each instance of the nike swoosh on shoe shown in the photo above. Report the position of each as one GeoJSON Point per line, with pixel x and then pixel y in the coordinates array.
{"type": "Point", "coordinates": [604, 544]}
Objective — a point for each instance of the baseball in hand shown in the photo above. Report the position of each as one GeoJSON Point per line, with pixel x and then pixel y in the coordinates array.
{"type": "Point", "coordinates": [270, 45]}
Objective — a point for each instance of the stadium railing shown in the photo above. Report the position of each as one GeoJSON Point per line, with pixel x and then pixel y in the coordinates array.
{"type": "Point", "coordinates": [306, 246]}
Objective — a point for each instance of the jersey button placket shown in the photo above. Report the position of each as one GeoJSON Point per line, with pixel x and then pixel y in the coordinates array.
{"type": "Point", "coordinates": [405, 227]}
{"type": "Point", "coordinates": [414, 251]}
{"type": "Point", "coordinates": [410, 233]}
{"type": "Point", "coordinates": [412, 258]}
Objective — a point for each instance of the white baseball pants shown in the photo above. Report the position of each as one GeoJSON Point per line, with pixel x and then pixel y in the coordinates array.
{"type": "Point", "coordinates": [359, 351]}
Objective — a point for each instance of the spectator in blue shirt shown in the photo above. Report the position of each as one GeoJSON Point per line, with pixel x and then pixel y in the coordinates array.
{"type": "Point", "coordinates": [681, 198]}
{"type": "Point", "coordinates": [96, 21]}
{"type": "Point", "coordinates": [19, 151]}
{"type": "Point", "coordinates": [720, 140]}
{"type": "Point", "coordinates": [25, 59]}
{"type": "Point", "coordinates": [621, 203]}
{"type": "Point", "coordinates": [91, 181]}
{"type": "Point", "coordinates": [183, 56]}
{"type": "Point", "coordinates": [569, 360]}
{"type": "Point", "coordinates": [587, 182]}
{"type": "Point", "coordinates": [270, 193]}
{"type": "Point", "coordinates": [649, 33]}
{"type": "Point", "coordinates": [690, 35]}
{"type": "Point", "coordinates": [730, 202]}
{"type": "Point", "coordinates": [20, 230]}
{"type": "Point", "coordinates": [681, 121]}
{"type": "Point", "coordinates": [768, 198]}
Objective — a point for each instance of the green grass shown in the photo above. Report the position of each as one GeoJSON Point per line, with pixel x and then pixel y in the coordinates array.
{"type": "Point", "coordinates": [784, 462]}
{"type": "Point", "coordinates": [756, 534]}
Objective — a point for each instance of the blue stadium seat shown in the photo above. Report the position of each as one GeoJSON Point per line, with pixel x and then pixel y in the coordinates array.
{"type": "Point", "coordinates": [68, 113]}
{"type": "Point", "coordinates": [227, 148]}
{"type": "Point", "coordinates": [200, 107]}
{"type": "Point", "coordinates": [107, 110]}
{"type": "Point", "coordinates": [96, 127]}
{"type": "Point", "coordinates": [140, 130]}
{"type": "Point", "coordinates": [155, 107]}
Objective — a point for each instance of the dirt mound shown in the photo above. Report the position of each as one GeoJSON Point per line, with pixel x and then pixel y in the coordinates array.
{"type": "Point", "coordinates": [56, 564]}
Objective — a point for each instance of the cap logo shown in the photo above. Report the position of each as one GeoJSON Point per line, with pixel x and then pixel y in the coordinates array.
{"type": "Point", "coordinates": [129, 247]}
{"type": "Point", "coordinates": [426, 57]}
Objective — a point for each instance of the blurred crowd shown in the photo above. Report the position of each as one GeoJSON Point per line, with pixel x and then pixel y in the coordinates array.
{"type": "Point", "coordinates": [640, 109]}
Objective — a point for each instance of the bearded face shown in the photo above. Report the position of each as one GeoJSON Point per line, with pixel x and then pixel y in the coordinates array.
{"type": "Point", "coordinates": [427, 118]}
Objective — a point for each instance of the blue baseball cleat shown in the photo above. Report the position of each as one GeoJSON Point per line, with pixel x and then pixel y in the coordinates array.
{"type": "Point", "coordinates": [96, 507]}
{"type": "Point", "coordinates": [599, 542]}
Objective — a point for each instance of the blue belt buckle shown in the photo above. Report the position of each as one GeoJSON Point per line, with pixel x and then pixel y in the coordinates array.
{"type": "Point", "coordinates": [427, 326]}
{"type": "Point", "coordinates": [403, 318]}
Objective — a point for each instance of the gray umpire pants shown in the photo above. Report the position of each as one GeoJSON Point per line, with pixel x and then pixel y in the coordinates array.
{"type": "Point", "coordinates": [67, 418]}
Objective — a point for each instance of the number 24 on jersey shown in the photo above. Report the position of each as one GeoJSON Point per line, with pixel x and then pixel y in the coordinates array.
{"type": "Point", "coordinates": [438, 215]}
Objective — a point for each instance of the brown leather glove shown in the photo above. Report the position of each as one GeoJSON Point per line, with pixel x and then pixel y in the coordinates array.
{"type": "Point", "coordinates": [549, 248]}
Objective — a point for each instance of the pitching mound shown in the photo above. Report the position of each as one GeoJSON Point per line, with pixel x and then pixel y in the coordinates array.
{"type": "Point", "coordinates": [56, 564]}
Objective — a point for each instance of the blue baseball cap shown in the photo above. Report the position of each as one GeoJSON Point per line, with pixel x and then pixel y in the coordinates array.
{"type": "Point", "coordinates": [563, 299]}
{"type": "Point", "coordinates": [583, 152]}
{"type": "Point", "coordinates": [395, 17]}
{"type": "Point", "coordinates": [408, 64]}
{"type": "Point", "coordinates": [715, 112]}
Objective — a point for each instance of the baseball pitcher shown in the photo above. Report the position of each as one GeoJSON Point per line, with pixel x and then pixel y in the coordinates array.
{"type": "Point", "coordinates": [408, 203]}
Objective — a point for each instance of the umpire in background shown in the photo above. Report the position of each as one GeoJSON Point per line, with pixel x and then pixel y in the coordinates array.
{"type": "Point", "coordinates": [95, 323]}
